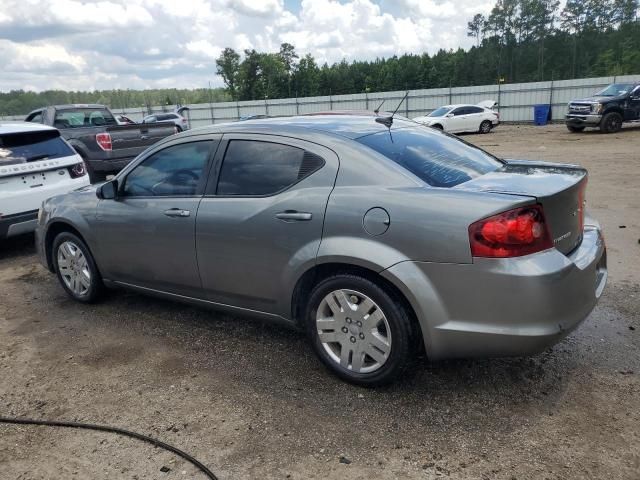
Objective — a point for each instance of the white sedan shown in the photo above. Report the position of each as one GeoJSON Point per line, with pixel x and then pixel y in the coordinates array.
{"type": "Point", "coordinates": [463, 118]}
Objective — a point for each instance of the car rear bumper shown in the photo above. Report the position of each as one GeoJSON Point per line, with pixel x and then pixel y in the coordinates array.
{"type": "Point", "coordinates": [504, 307]}
{"type": "Point", "coordinates": [18, 224]}
{"type": "Point", "coordinates": [579, 120]}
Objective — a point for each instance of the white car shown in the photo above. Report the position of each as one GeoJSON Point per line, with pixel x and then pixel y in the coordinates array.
{"type": "Point", "coordinates": [463, 118]}
{"type": "Point", "coordinates": [36, 163]}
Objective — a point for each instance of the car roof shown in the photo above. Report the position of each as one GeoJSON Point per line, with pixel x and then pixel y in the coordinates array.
{"type": "Point", "coordinates": [349, 126]}
{"type": "Point", "coordinates": [22, 127]}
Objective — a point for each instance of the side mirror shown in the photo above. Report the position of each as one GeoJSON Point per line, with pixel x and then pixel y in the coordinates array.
{"type": "Point", "coordinates": [449, 115]}
{"type": "Point", "coordinates": [108, 190]}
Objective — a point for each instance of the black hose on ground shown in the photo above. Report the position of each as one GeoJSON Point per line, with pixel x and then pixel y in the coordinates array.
{"type": "Point", "coordinates": [119, 431]}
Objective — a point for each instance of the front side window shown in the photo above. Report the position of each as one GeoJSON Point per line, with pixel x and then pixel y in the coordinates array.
{"type": "Point", "coordinates": [439, 160]}
{"type": "Point", "coordinates": [262, 168]}
{"type": "Point", "coordinates": [174, 171]}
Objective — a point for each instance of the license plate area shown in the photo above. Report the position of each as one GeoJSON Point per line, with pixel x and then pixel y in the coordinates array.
{"type": "Point", "coordinates": [40, 179]}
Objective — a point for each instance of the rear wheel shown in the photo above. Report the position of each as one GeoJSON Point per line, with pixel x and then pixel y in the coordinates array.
{"type": "Point", "coordinates": [437, 126]}
{"type": "Point", "coordinates": [75, 268]}
{"type": "Point", "coordinates": [361, 332]}
{"type": "Point", "coordinates": [574, 129]}
{"type": "Point", "coordinates": [485, 126]}
{"type": "Point", "coordinates": [611, 123]}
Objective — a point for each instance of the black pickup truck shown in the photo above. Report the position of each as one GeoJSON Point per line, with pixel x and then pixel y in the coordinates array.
{"type": "Point", "coordinates": [94, 133]}
{"type": "Point", "coordinates": [607, 109]}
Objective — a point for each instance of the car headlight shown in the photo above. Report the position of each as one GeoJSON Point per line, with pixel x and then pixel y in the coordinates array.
{"type": "Point", "coordinates": [596, 107]}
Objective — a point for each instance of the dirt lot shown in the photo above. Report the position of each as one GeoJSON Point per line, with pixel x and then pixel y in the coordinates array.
{"type": "Point", "coordinates": [251, 401]}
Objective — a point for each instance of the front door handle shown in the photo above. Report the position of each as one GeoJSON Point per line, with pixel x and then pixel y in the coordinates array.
{"type": "Point", "coordinates": [294, 216]}
{"type": "Point", "coordinates": [177, 212]}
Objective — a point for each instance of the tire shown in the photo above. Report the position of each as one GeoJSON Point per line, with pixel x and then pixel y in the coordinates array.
{"type": "Point", "coordinates": [69, 249]}
{"type": "Point", "coordinates": [485, 126]}
{"type": "Point", "coordinates": [177, 129]}
{"type": "Point", "coordinates": [437, 126]}
{"type": "Point", "coordinates": [367, 354]}
{"type": "Point", "coordinates": [611, 123]}
{"type": "Point", "coordinates": [574, 129]}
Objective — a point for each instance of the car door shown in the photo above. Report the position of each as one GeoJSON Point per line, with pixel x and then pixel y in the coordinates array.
{"type": "Point", "coordinates": [147, 234]}
{"type": "Point", "coordinates": [260, 223]}
{"type": "Point", "coordinates": [474, 116]}
{"type": "Point", "coordinates": [633, 111]}
{"type": "Point", "coordinates": [456, 122]}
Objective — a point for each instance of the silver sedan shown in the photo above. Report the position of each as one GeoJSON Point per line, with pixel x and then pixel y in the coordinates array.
{"type": "Point", "coordinates": [377, 236]}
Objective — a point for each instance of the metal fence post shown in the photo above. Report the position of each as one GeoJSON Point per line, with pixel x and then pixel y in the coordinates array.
{"type": "Point", "coordinates": [297, 104]}
{"type": "Point", "coordinates": [238, 108]}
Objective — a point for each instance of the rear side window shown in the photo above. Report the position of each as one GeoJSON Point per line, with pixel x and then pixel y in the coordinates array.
{"type": "Point", "coordinates": [474, 110]}
{"type": "Point", "coordinates": [437, 159]}
{"type": "Point", "coordinates": [263, 168]}
{"type": "Point", "coordinates": [32, 146]}
{"type": "Point", "coordinates": [83, 117]}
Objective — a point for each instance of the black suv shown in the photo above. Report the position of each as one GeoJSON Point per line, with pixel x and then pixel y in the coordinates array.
{"type": "Point", "coordinates": [607, 109]}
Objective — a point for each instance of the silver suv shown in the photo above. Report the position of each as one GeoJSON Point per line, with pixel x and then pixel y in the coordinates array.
{"type": "Point", "coordinates": [377, 236]}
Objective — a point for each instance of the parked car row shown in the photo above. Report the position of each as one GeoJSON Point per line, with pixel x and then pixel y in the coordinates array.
{"type": "Point", "coordinates": [378, 237]}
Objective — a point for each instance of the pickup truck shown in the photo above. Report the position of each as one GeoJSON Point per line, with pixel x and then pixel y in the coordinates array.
{"type": "Point", "coordinates": [607, 109]}
{"type": "Point", "coordinates": [92, 130]}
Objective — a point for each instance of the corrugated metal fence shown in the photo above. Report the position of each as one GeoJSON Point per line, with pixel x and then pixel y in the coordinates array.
{"type": "Point", "coordinates": [515, 101]}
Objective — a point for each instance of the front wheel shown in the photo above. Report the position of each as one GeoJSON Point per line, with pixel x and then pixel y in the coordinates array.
{"type": "Point", "coordinates": [574, 129]}
{"type": "Point", "coordinates": [611, 123]}
{"type": "Point", "coordinates": [485, 126]}
{"type": "Point", "coordinates": [361, 332]}
{"type": "Point", "coordinates": [75, 268]}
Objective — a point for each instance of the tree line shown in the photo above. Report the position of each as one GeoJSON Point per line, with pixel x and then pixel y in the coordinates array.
{"type": "Point", "coordinates": [20, 102]}
{"type": "Point", "coordinates": [519, 41]}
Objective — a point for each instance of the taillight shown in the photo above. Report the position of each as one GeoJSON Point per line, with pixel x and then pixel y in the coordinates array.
{"type": "Point", "coordinates": [104, 141]}
{"type": "Point", "coordinates": [78, 170]}
{"type": "Point", "coordinates": [513, 233]}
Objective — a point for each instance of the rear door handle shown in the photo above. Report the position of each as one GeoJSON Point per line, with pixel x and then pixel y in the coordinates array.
{"type": "Point", "coordinates": [293, 216]}
{"type": "Point", "coordinates": [177, 212]}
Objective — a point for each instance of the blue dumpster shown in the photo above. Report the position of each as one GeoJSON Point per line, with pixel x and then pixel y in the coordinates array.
{"type": "Point", "coordinates": [541, 114]}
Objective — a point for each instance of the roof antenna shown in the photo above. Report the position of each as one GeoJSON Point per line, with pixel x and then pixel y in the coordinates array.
{"type": "Point", "coordinates": [377, 110]}
{"type": "Point", "coordinates": [388, 121]}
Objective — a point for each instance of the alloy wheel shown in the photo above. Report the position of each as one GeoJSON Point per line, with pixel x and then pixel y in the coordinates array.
{"type": "Point", "coordinates": [354, 331]}
{"type": "Point", "coordinates": [74, 268]}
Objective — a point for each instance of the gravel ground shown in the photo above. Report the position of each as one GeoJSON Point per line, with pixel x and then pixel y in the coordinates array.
{"type": "Point", "coordinates": [250, 401]}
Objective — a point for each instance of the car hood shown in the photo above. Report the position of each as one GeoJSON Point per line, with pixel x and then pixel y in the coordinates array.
{"type": "Point", "coordinates": [598, 99]}
{"type": "Point", "coordinates": [426, 120]}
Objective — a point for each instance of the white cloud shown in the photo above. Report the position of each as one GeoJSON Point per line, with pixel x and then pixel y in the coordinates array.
{"type": "Point", "coordinates": [150, 43]}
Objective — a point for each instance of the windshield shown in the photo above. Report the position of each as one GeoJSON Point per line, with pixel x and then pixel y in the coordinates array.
{"type": "Point", "coordinates": [615, 89]}
{"type": "Point", "coordinates": [438, 159]}
{"type": "Point", "coordinates": [439, 112]}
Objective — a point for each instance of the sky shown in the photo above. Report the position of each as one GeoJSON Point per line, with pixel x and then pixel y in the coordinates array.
{"type": "Point", "coordinates": [137, 44]}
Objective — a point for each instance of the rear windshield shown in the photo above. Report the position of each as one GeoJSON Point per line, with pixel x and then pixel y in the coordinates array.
{"type": "Point", "coordinates": [83, 117]}
{"type": "Point", "coordinates": [32, 146]}
{"type": "Point", "coordinates": [438, 159]}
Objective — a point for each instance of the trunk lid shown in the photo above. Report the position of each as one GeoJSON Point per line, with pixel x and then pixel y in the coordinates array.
{"type": "Point", "coordinates": [558, 188]}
